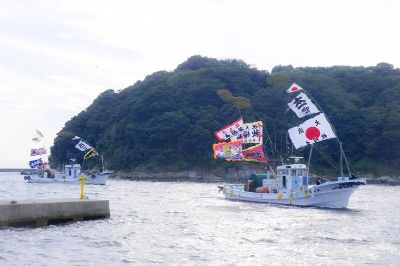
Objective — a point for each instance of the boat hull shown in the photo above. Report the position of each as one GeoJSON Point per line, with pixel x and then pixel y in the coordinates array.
{"type": "Point", "coordinates": [94, 179]}
{"type": "Point", "coordinates": [333, 195]}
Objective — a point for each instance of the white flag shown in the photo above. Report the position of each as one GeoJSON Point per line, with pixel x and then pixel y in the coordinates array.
{"type": "Point", "coordinates": [39, 133]}
{"type": "Point", "coordinates": [36, 139]}
{"type": "Point", "coordinates": [82, 146]}
{"type": "Point", "coordinates": [253, 132]}
{"type": "Point", "coordinates": [313, 130]}
{"type": "Point", "coordinates": [293, 88]}
{"type": "Point", "coordinates": [303, 106]}
{"type": "Point", "coordinates": [232, 132]}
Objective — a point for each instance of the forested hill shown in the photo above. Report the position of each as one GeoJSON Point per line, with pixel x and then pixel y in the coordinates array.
{"type": "Point", "coordinates": [166, 122]}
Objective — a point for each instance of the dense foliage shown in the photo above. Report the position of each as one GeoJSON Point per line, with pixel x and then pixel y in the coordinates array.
{"type": "Point", "coordinates": [166, 121]}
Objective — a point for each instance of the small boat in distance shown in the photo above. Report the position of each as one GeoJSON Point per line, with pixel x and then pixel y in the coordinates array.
{"type": "Point", "coordinates": [42, 173]}
{"type": "Point", "coordinates": [71, 174]}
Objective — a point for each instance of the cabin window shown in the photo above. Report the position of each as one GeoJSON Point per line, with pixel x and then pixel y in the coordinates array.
{"type": "Point", "coordinates": [300, 172]}
{"type": "Point", "coordinates": [284, 181]}
{"type": "Point", "coordinates": [293, 173]}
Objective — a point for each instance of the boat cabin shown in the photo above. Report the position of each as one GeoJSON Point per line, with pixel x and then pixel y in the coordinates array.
{"type": "Point", "coordinates": [72, 170]}
{"type": "Point", "coordinates": [292, 177]}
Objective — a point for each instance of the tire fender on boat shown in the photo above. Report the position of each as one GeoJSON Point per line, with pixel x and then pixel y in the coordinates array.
{"type": "Point", "coordinates": [93, 176]}
{"type": "Point", "coordinates": [27, 177]}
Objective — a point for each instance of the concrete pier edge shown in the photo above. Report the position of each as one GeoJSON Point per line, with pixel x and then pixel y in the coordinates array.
{"type": "Point", "coordinates": [42, 212]}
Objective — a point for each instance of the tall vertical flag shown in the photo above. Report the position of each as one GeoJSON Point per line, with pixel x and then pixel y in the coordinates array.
{"type": "Point", "coordinates": [312, 130]}
{"type": "Point", "coordinates": [302, 106]}
{"type": "Point", "coordinates": [293, 88]}
{"type": "Point", "coordinates": [231, 132]}
{"type": "Point", "coordinates": [229, 151]}
{"type": "Point", "coordinates": [253, 132]}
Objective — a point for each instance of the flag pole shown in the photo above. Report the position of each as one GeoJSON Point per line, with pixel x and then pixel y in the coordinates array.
{"type": "Point", "coordinates": [309, 160]}
{"type": "Point", "coordinates": [334, 131]}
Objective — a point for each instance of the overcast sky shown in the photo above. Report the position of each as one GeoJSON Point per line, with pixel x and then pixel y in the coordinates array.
{"type": "Point", "coordinates": [57, 56]}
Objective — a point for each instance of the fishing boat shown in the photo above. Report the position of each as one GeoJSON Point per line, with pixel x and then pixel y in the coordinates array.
{"type": "Point", "coordinates": [290, 183]}
{"type": "Point", "coordinates": [72, 173]}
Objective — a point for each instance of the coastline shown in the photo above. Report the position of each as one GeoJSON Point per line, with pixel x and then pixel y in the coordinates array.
{"type": "Point", "coordinates": [231, 175]}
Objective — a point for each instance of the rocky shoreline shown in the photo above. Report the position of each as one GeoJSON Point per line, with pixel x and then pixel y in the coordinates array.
{"type": "Point", "coordinates": [230, 175]}
{"type": "Point", "coordinates": [384, 180]}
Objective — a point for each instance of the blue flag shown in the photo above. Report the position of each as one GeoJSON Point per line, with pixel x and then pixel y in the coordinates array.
{"type": "Point", "coordinates": [36, 163]}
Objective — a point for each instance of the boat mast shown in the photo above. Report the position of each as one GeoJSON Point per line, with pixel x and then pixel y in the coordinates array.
{"type": "Point", "coordinates": [341, 160]}
{"type": "Point", "coordinates": [347, 163]}
{"type": "Point", "coordinates": [309, 160]}
{"type": "Point", "coordinates": [334, 131]}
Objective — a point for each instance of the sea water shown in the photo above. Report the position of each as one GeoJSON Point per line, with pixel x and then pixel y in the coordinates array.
{"type": "Point", "coordinates": [191, 224]}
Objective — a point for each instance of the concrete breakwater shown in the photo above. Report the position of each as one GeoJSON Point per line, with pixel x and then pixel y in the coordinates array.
{"type": "Point", "coordinates": [40, 212]}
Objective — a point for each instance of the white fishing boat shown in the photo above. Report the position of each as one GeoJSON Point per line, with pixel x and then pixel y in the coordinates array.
{"type": "Point", "coordinates": [71, 174]}
{"type": "Point", "coordinates": [289, 185]}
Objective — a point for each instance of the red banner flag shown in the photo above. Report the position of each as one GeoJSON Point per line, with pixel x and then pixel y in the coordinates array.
{"type": "Point", "coordinates": [255, 154]}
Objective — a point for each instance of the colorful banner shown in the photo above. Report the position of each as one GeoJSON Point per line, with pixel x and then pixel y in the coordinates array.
{"type": "Point", "coordinates": [313, 130]}
{"type": "Point", "coordinates": [253, 132]}
{"type": "Point", "coordinates": [255, 154]}
{"type": "Point", "coordinates": [229, 151]}
{"type": "Point", "coordinates": [302, 106]}
{"type": "Point", "coordinates": [35, 163]}
{"type": "Point", "coordinates": [39, 151]}
{"type": "Point", "coordinates": [90, 153]}
{"type": "Point", "coordinates": [232, 132]}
